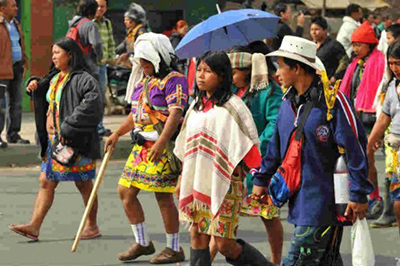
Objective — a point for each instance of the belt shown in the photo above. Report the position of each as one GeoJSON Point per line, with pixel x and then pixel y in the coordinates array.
{"type": "Point", "coordinates": [17, 63]}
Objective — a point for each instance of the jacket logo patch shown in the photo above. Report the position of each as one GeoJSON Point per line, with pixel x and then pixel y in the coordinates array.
{"type": "Point", "coordinates": [323, 133]}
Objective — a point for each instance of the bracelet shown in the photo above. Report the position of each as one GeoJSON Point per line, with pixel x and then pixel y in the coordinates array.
{"type": "Point", "coordinates": [118, 133]}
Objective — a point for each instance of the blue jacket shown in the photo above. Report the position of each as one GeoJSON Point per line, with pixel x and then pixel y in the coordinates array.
{"type": "Point", "coordinates": [314, 203]}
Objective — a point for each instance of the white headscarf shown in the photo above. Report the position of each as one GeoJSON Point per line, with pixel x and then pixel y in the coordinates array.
{"type": "Point", "coordinates": [148, 46]}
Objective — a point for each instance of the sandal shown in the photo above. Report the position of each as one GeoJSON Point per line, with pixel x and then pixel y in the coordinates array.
{"type": "Point", "coordinates": [90, 233]}
{"type": "Point", "coordinates": [23, 231]}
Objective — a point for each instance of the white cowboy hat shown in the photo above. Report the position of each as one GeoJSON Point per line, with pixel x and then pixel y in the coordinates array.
{"type": "Point", "coordinates": [301, 50]}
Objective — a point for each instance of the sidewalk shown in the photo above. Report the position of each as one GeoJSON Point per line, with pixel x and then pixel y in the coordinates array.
{"type": "Point", "coordinates": [24, 155]}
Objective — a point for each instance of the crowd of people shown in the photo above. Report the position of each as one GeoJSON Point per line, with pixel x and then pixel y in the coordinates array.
{"type": "Point", "coordinates": [231, 133]}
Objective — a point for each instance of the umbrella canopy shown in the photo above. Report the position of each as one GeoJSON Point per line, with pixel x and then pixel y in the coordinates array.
{"type": "Point", "coordinates": [230, 28]}
{"type": "Point", "coordinates": [342, 4]}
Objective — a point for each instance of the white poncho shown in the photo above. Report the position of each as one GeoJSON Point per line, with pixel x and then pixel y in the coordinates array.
{"type": "Point", "coordinates": [211, 144]}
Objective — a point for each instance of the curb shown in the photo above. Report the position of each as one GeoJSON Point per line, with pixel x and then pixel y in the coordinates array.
{"type": "Point", "coordinates": [28, 155]}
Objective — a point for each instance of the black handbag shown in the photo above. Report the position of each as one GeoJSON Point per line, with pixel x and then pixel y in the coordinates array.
{"type": "Point", "coordinates": [62, 153]}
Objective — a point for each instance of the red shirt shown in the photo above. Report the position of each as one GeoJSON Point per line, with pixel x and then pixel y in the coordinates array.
{"type": "Point", "coordinates": [240, 93]}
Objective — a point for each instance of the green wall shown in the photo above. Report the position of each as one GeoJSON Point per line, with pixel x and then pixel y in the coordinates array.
{"type": "Point", "coordinates": [197, 11]}
{"type": "Point", "coordinates": [26, 29]}
{"type": "Point", "coordinates": [62, 13]}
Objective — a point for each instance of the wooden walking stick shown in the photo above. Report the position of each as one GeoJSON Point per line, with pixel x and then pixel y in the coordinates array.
{"type": "Point", "coordinates": [92, 197]}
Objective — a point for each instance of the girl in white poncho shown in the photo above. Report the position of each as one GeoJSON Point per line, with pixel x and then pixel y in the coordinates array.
{"type": "Point", "coordinates": [218, 139]}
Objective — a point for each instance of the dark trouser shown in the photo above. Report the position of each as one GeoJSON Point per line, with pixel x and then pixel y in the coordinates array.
{"type": "Point", "coordinates": [312, 246]}
{"type": "Point", "coordinates": [103, 80]}
{"type": "Point", "coordinates": [3, 87]}
{"type": "Point", "coordinates": [13, 94]}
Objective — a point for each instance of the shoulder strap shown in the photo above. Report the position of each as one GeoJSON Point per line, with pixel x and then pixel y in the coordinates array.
{"type": "Point", "coordinates": [54, 114]}
{"type": "Point", "coordinates": [146, 91]}
{"type": "Point", "coordinates": [81, 22]}
{"type": "Point", "coordinates": [57, 129]}
{"type": "Point", "coordinates": [88, 46]}
{"type": "Point", "coordinates": [302, 120]}
{"type": "Point", "coordinates": [155, 117]}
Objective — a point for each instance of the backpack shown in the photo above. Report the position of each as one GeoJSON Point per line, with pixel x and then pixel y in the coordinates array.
{"type": "Point", "coordinates": [73, 33]}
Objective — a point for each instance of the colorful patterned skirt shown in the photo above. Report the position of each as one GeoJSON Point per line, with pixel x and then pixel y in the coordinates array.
{"type": "Point", "coordinates": [389, 159]}
{"type": "Point", "coordinates": [254, 208]}
{"type": "Point", "coordinates": [389, 166]}
{"type": "Point", "coordinates": [226, 223]}
{"type": "Point", "coordinates": [395, 188]}
{"type": "Point", "coordinates": [84, 168]}
{"type": "Point", "coordinates": [140, 172]}
{"type": "Point", "coordinates": [395, 182]}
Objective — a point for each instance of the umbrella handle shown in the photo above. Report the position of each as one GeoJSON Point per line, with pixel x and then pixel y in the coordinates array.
{"type": "Point", "coordinates": [218, 8]}
{"type": "Point", "coordinates": [92, 198]}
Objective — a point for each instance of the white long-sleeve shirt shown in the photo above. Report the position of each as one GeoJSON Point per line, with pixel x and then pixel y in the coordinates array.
{"type": "Point", "coordinates": [346, 30]}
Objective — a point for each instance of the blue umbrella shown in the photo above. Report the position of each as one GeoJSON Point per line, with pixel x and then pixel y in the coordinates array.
{"type": "Point", "coordinates": [230, 28]}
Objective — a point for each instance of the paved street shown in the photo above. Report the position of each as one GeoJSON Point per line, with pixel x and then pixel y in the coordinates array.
{"type": "Point", "coordinates": [18, 191]}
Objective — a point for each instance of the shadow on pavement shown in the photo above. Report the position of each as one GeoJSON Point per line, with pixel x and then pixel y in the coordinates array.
{"type": "Point", "coordinates": [379, 260]}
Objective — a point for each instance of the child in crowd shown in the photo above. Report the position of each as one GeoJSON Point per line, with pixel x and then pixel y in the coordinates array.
{"type": "Point", "coordinates": [218, 139]}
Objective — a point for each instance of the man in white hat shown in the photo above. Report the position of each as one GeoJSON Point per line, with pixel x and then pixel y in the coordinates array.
{"type": "Point", "coordinates": [325, 124]}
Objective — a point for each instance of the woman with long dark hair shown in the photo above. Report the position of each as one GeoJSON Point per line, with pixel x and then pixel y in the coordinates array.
{"type": "Point", "coordinates": [159, 95]}
{"type": "Point", "coordinates": [217, 141]}
{"type": "Point", "coordinates": [390, 115]}
{"type": "Point", "coordinates": [74, 110]}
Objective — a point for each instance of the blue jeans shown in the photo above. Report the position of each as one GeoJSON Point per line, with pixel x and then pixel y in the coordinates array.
{"type": "Point", "coordinates": [103, 79]}
{"type": "Point", "coordinates": [11, 95]}
{"type": "Point", "coordinates": [315, 246]}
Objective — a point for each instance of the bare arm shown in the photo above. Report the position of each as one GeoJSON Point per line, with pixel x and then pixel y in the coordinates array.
{"type": "Point", "coordinates": [373, 144]}
{"type": "Point", "coordinates": [171, 124]}
{"type": "Point", "coordinates": [377, 132]}
{"type": "Point", "coordinates": [124, 128]}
